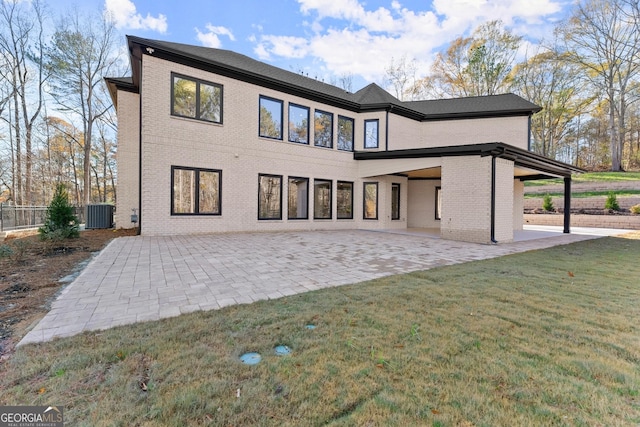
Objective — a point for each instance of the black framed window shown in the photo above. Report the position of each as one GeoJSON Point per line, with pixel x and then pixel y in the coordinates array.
{"type": "Point", "coordinates": [270, 117]}
{"type": "Point", "coordinates": [371, 133]}
{"type": "Point", "coordinates": [370, 205]}
{"type": "Point", "coordinates": [196, 99]}
{"type": "Point", "coordinates": [344, 197]}
{"type": "Point", "coordinates": [438, 203]}
{"type": "Point", "coordinates": [269, 196]}
{"type": "Point", "coordinates": [323, 129]}
{"type": "Point", "coordinates": [298, 124]}
{"type": "Point", "coordinates": [195, 191]}
{"type": "Point", "coordinates": [322, 199]}
{"type": "Point", "coordinates": [395, 201]}
{"type": "Point", "coordinates": [298, 199]}
{"type": "Point", "coordinates": [345, 133]}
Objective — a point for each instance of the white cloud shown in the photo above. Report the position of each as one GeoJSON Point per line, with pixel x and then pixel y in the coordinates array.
{"type": "Point", "coordinates": [347, 38]}
{"type": "Point", "coordinates": [210, 38]}
{"type": "Point", "coordinates": [125, 15]}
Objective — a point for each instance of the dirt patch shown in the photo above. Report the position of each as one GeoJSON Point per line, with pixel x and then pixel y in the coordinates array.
{"type": "Point", "coordinates": [30, 273]}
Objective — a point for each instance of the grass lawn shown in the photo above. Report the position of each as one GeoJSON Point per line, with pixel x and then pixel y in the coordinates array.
{"type": "Point", "coordinates": [549, 337]}
{"type": "Point", "coordinates": [590, 177]}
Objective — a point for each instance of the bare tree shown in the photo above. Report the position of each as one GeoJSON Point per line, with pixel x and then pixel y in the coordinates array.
{"type": "Point", "coordinates": [22, 47]}
{"type": "Point", "coordinates": [477, 65]}
{"type": "Point", "coordinates": [83, 52]}
{"type": "Point", "coordinates": [602, 37]}
{"type": "Point", "coordinates": [401, 77]}
{"type": "Point", "coordinates": [556, 85]}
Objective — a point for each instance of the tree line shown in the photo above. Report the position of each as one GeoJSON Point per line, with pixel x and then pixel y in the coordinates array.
{"type": "Point", "coordinates": [585, 78]}
{"type": "Point", "coordinates": [57, 124]}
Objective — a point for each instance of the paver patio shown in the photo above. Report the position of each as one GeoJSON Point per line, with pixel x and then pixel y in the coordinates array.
{"type": "Point", "coordinates": [137, 279]}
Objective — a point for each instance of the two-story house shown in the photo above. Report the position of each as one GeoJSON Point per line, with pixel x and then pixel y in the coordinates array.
{"type": "Point", "coordinates": [210, 141]}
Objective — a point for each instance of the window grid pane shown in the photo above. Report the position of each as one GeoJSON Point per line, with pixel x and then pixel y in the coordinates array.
{"type": "Point", "coordinates": [184, 97]}
{"type": "Point", "coordinates": [209, 197]}
{"type": "Point", "coordinates": [270, 197]}
{"type": "Point", "coordinates": [323, 129]}
{"type": "Point", "coordinates": [298, 124]}
{"type": "Point", "coordinates": [345, 133]}
{"type": "Point", "coordinates": [395, 201]}
{"type": "Point", "coordinates": [298, 199]}
{"type": "Point", "coordinates": [371, 134]}
{"type": "Point", "coordinates": [210, 100]}
{"type": "Point", "coordinates": [370, 200]}
{"type": "Point", "coordinates": [345, 200]}
{"type": "Point", "coordinates": [270, 118]}
{"type": "Point", "coordinates": [322, 199]}
{"type": "Point", "coordinates": [183, 191]}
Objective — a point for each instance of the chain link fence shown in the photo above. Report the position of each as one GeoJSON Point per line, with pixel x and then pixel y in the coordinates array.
{"type": "Point", "coordinates": [19, 217]}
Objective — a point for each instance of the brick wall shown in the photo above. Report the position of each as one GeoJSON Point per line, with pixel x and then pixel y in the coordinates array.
{"type": "Point", "coordinates": [518, 204]}
{"type": "Point", "coordinates": [127, 158]}
{"type": "Point", "coordinates": [406, 133]}
{"type": "Point", "coordinates": [422, 200]}
{"type": "Point", "coordinates": [504, 201]}
{"type": "Point", "coordinates": [466, 199]}
{"type": "Point", "coordinates": [235, 148]}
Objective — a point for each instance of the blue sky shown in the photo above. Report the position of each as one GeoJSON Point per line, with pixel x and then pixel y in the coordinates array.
{"type": "Point", "coordinates": [326, 38]}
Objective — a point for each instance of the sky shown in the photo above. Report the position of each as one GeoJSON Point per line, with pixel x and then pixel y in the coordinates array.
{"type": "Point", "coordinates": [326, 39]}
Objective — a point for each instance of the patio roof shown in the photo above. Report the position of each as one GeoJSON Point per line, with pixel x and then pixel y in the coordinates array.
{"type": "Point", "coordinates": [539, 166]}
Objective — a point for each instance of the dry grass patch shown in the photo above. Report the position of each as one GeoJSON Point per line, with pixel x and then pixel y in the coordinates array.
{"type": "Point", "coordinates": [541, 338]}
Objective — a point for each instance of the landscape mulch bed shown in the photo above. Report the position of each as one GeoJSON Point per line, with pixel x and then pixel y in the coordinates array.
{"type": "Point", "coordinates": [30, 276]}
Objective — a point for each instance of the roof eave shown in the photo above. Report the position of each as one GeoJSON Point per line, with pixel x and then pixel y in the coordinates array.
{"type": "Point", "coordinates": [498, 149]}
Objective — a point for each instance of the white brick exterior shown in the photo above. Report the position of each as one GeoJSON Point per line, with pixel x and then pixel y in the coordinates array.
{"type": "Point", "coordinates": [235, 148]}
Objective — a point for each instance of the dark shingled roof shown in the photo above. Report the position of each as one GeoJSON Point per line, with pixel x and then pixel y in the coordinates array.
{"type": "Point", "coordinates": [369, 98]}
{"type": "Point", "coordinates": [464, 106]}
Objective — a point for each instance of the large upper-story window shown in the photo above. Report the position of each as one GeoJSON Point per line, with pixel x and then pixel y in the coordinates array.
{"type": "Point", "coordinates": [270, 197]}
{"type": "Point", "coordinates": [371, 133]}
{"type": "Point", "coordinates": [195, 191]}
{"type": "Point", "coordinates": [344, 197]}
{"type": "Point", "coordinates": [345, 133]}
{"type": "Point", "coordinates": [196, 99]}
{"type": "Point", "coordinates": [298, 124]}
{"type": "Point", "coordinates": [270, 117]}
{"type": "Point", "coordinates": [323, 129]}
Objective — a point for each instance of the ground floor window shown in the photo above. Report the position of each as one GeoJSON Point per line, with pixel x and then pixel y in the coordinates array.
{"type": "Point", "coordinates": [438, 203]}
{"type": "Point", "coordinates": [298, 198]}
{"type": "Point", "coordinates": [195, 191]}
{"type": "Point", "coordinates": [269, 197]}
{"type": "Point", "coordinates": [395, 201]}
{"type": "Point", "coordinates": [321, 199]}
{"type": "Point", "coordinates": [345, 200]}
{"type": "Point", "coordinates": [370, 200]}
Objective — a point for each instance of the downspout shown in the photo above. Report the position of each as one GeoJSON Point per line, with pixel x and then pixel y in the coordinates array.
{"type": "Point", "coordinates": [529, 134]}
{"type": "Point", "coordinates": [493, 198]}
{"type": "Point", "coordinates": [567, 205]}
{"type": "Point", "coordinates": [386, 130]}
{"type": "Point", "coordinates": [140, 150]}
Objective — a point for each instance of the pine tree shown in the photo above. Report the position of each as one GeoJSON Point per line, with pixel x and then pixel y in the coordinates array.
{"type": "Point", "coordinates": [60, 222]}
